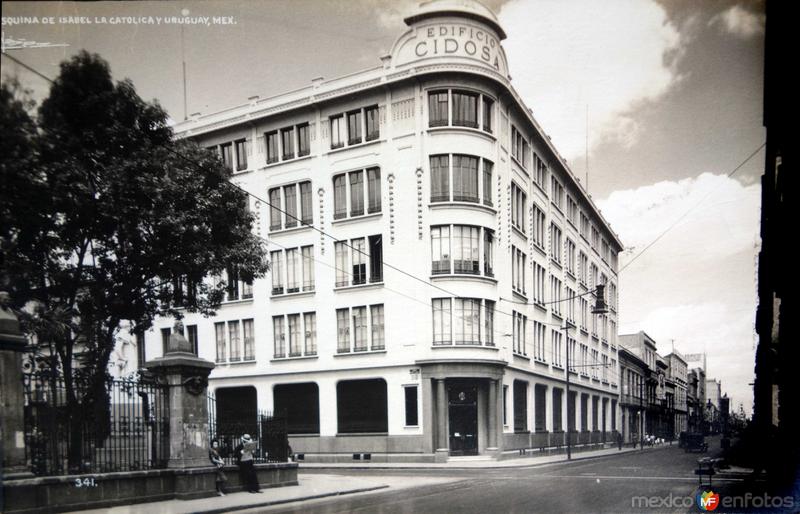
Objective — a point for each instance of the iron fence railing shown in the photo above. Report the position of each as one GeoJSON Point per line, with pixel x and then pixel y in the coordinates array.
{"type": "Point", "coordinates": [267, 430]}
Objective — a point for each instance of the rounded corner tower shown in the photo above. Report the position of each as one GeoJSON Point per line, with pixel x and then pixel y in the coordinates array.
{"type": "Point", "coordinates": [452, 32]}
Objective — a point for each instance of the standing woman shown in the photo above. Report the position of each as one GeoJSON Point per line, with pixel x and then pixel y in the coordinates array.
{"type": "Point", "coordinates": [247, 470]}
{"type": "Point", "coordinates": [216, 460]}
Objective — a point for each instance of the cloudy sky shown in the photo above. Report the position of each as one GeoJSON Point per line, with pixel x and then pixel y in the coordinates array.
{"type": "Point", "coordinates": [672, 91]}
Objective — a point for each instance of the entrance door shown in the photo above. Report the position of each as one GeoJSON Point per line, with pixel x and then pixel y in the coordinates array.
{"type": "Point", "coordinates": [463, 414]}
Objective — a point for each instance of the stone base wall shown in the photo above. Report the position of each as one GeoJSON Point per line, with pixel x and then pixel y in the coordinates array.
{"type": "Point", "coordinates": [61, 494]}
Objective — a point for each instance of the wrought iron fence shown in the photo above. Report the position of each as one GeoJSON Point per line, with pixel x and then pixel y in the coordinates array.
{"type": "Point", "coordinates": [267, 430]}
{"type": "Point", "coordinates": [116, 425]}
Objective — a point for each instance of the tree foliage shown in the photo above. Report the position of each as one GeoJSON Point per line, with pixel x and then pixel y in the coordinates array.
{"type": "Point", "coordinates": [106, 217]}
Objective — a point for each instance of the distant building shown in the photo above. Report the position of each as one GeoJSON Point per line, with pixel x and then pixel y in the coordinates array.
{"type": "Point", "coordinates": [632, 399]}
{"type": "Point", "coordinates": [678, 375]}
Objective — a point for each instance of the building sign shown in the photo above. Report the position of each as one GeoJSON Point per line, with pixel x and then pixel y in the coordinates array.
{"type": "Point", "coordinates": [459, 40]}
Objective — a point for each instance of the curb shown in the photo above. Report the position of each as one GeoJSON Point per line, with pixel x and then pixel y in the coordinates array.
{"type": "Point", "coordinates": [323, 466]}
{"type": "Point", "coordinates": [234, 508]}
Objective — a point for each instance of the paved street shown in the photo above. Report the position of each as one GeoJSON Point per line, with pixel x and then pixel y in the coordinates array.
{"type": "Point", "coordinates": [597, 485]}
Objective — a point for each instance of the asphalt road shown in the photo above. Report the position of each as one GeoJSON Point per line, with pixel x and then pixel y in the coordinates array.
{"type": "Point", "coordinates": [665, 476]}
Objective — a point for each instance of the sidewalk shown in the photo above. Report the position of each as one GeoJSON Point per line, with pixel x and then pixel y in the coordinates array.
{"type": "Point", "coordinates": [311, 487]}
{"type": "Point", "coordinates": [456, 463]}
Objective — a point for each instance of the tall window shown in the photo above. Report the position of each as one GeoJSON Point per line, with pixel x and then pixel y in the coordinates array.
{"type": "Point", "coordinates": [373, 123]}
{"type": "Point", "coordinates": [235, 341]}
{"type": "Point", "coordinates": [438, 109]}
{"type": "Point", "coordinates": [287, 141]}
{"type": "Point", "coordinates": [569, 299]}
{"type": "Point", "coordinates": [412, 416]}
{"type": "Point", "coordinates": [539, 234]}
{"type": "Point", "coordinates": [338, 131]}
{"type": "Point", "coordinates": [354, 127]}
{"type": "Point", "coordinates": [278, 336]}
{"type": "Point", "coordinates": [310, 322]}
{"type": "Point", "coordinates": [465, 109]}
{"type": "Point", "coordinates": [539, 277]}
{"type": "Point", "coordinates": [440, 248]}
{"type": "Point", "coordinates": [293, 270]}
{"type": "Point", "coordinates": [303, 140]}
{"type": "Point", "coordinates": [572, 211]}
{"type": "Point", "coordinates": [556, 193]}
{"type": "Point", "coordinates": [307, 254]}
{"type": "Point", "coordinates": [471, 179]}
{"type": "Point", "coordinates": [458, 320]}
{"type": "Point", "coordinates": [248, 339]}
{"type": "Point", "coordinates": [359, 260]}
{"type": "Point", "coordinates": [519, 147]}
{"type": "Point", "coordinates": [555, 295]}
{"type": "Point", "coordinates": [583, 267]}
{"type": "Point", "coordinates": [365, 323]}
{"type": "Point", "coordinates": [539, 171]}
{"type": "Point", "coordinates": [518, 207]}
{"type": "Point", "coordinates": [466, 253]}
{"type": "Point", "coordinates": [276, 263]}
{"type": "Point", "coordinates": [294, 335]}
{"type": "Point", "coordinates": [571, 256]}
{"type": "Point", "coordinates": [299, 331]}
{"type": "Point", "coordinates": [296, 202]}
{"type": "Point", "coordinates": [584, 227]}
{"type": "Point", "coordinates": [519, 331]}
{"type": "Point", "coordinates": [488, 252]}
{"type": "Point", "coordinates": [518, 270]}
{"type": "Point", "coordinates": [241, 154]}
{"type": "Point", "coordinates": [272, 146]}
{"type": "Point", "coordinates": [357, 195]}
{"type": "Point", "coordinates": [219, 332]}
{"type": "Point", "coordinates": [558, 349]}
{"type": "Point", "coordinates": [555, 243]}
{"type": "Point", "coordinates": [226, 152]}
{"type": "Point", "coordinates": [539, 332]}
{"type": "Point", "coordinates": [487, 114]}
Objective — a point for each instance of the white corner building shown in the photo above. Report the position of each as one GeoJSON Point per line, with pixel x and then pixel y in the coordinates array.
{"type": "Point", "coordinates": [427, 244]}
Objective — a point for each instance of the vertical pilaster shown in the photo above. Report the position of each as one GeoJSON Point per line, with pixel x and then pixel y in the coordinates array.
{"type": "Point", "coordinates": [493, 420]}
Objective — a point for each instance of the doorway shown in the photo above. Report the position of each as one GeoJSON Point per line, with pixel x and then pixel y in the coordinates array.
{"type": "Point", "coordinates": [463, 417]}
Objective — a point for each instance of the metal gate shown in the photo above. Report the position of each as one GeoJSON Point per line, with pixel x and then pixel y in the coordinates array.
{"type": "Point", "coordinates": [268, 430]}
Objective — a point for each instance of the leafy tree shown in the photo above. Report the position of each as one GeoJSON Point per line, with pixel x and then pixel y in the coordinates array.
{"type": "Point", "coordinates": [108, 218]}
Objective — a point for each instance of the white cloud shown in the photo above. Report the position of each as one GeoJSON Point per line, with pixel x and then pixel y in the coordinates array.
{"type": "Point", "coordinates": [609, 55]}
{"type": "Point", "coordinates": [739, 22]}
{"type": "Point", "coordinates": [696, 285]}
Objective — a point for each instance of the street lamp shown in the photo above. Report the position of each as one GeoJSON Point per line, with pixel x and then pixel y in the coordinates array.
{"type": "Point", "coordinates": [599, 308]}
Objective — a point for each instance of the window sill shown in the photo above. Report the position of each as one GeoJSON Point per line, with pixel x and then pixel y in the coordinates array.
{"type": "Point", "coordinates": [540, 304]}
{"type": "Point", "coordinates": [474, 206]}
{"type": "Point", "coordinates": [464, 130]}
{"type": "Point", "coordinates": [555, 262]}
{"type": "Point", "coordinates": [558, 367]}
{"type": "Point", "coordinates": [521, 166]}
{"type": "Point", "coordinates": [235, 302]}
{"type": "Point", "coordinates": [354, 219]}
{"type": "Point", "coordinates": [242, 172]}
{"type": "Point", "coordinates": [522, 357]}
{"type": "Point", "coordinates": [301, 227]}
{"type": "Point", "coordinates": [287, 161]}
{"type": "Point", "coordinates": [540, 188]}
{"type": "Point", "coordinates": [300, 294]}
{"type": "Point", "coordinates": [519, 232]}
{"type": "Point", "coordinates": [540, 361]}
{"type": "Point", "coordinates": [236, 363]}
{"type": "Point", "coordinates": [540, 248]}
{"type": "Point", "coordinates": [471, 345]}
{"type": "Point", "coordinates": [365, 352]}
{"type": "Point", "coordinates": [298, 358]}
{"type": "Point", "coordinates": [368, 285]}
{"type": "Point", "coordinates": [571, 275]}
{"type": "Point", "coordinates": [521, 296]}
{"type": "Point", "coordinates": [557, 208]}
{"type": "Point", "coordinates": [557, 314]}
{"type": "Point", "coordinates": [357, 145]}
{"type": "Point", "coordinates": [468, 277]}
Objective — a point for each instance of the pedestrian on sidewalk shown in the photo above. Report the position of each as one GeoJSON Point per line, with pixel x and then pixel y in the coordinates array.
{"type": "Point", "coordinates": [619, 440]}
{"type": "Point", "coordinates": [216, 460]}
{"type": "Point", "coordinates": [245, 460]}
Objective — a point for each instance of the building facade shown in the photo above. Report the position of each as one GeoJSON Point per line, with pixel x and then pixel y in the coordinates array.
{"type": "Point", "coordinates": [633, 403]}
{"type": "Point", "coordinates": [427, 245]}
{"type": "Point", "coordinates": [677, 374]}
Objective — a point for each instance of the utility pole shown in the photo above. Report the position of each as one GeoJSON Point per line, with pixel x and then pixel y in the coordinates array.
{"type": "Point", "coordinates": [566, 327]}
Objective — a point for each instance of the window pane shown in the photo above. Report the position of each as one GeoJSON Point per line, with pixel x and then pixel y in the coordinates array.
{"type": "Point", "coordinates": [359, 261]}
{"type": "Point", "coordinates": [226, 151]}
{"type": "Point", "coordinates": [275, 209]}
{"type": "Point", "coordinates": [360, 329]}
{"type": "Point", "coordinates": [235, 343]}
{"type": "Point", "coordinates": [489, 323]}
{"type": "Point", "coordinates": [249, 342]}
{"type": "Point", "coordinates": [376, 258]}
{"type": "Point", "coordinates": [488, 252]}
{"type": "Point", "coordinates": [354, 127]}
{"type": "Point", "coordinates": [374, 189]}
{"type": "Point", "coordinates": [412, 417]}
{"type": "Point", "coordinates": [487, 114]}
{"type": "Point", "coordinates": [342, 258]}
{"type": "Point", "coordinates": [356, 193]}
{"type": "Point", "coordinates": [437, 109]}
{"type": "Point", "coordinates": [308, 268]}
{"type": "Point", "coordinates": [465, 109]}
{"type": "Point", "coordinates": [306, 214]}
{"type": "Point", "coordinates": [487, 182]}
{"type": "Point", "coordinates": [440, 248]}
{"type": "Point", "coordinates": [276, 265]}
{"type": "Point", "coordinates": [376, 313]}
{"type": "Point", "coordinates": [337, 131]}
{"type": "Point", "coordinates": [303, 143]}
{"type": "Point", "coordinates": [310, 320]}
{"type": "Point", "coordinates": [339, 196]}
{"type": "Point", "coordinates": [277, 329]}
{"type": "Point", "coordinates": [219, 331]}
{"type": "Point", "coordinates": [465, 178]}
{"type": "Point", "coordinates": [294, 335]}
{"type": "Point", "coordinates": [272, 147]}
{"type": "Point", "coordinates": [241, 155]}
{"type": "Point", "coordinates": [292, 271]}
{"type": "Point", "coordinates": [290, 194]}
{"type": "Point", "coordinates": [441, 321]}
{"type": "Point", "coordinates": [373, 128]}
{"type": "Point", "coordinates": [440, 178]}
{"type": "Point", "coordinates": [342, 330]}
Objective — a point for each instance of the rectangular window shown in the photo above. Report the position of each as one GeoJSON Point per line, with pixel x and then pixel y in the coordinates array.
{"type": "Point", "coordinates": [376, 321]}
{"type": "Point", "coordinates": [518, 270]}
{"type": "Point", "coordinates": [556, 193]}
{"type": "Point", "coordinates": [342, 263]}
{"type": "Point", "coordinates": [465, 178]}
{"type": "Point", "coordinates": [440, 249]}
{"type": "Point", "coordinates": [234, 341]}
{"type": "Point", "coordinates": [165, 333]}
{"type": "Point", "coordinates": [232, 287]}
{"type": "Point", "coordinates": [294, 335]}
{"type": "Point", "coordinates": [303, 140]}
{"type": "Point", "coordinates": [307, 254]}
{"type": "Point", "coordinates": [354, 127]}
{"type": "Point", "coordinates": [487, 114]}
{"type": "Point", "coordinates": [488, 329]}
{"type": "Point", "coordinates": [466, 321]}
{"type": "Point", "coordinates": [359, 329]}
{"type": "Point", "coordinates": [518, 207]}
{"type": "Point", "coordinates": [487, 182]}
{"type": "Point", "coordinates": [538, 227]}
{"type": "Point", "coordinates": [293, 270]}
{"type": "Point", "coordinates": [374, 189]}
{"type": "Point", "coordinates": [412, 416]}
{"type": "Point", "coordinates": [465, 109]}
{"type": "Point", "coordinates": [373, 123]}
{"type": "Point", "coordinates": [557, 353]}
{"type": "Point", "coordinates": [272, 146]}
{"type": "Point", "coordinates": [306, 215]}
{"type": "Point", "coordinates": [279, 337]}
{"type": "Point", "coordinates": [440, 178]}
{"type": "Point", "coordinates": [219, 332]}
{"type": "Point", "coordinates": [359, 261]}
{"type": "Point", "coordinates": [241, 154]}
{"type": "Point", "coordinates": [539, 171]}
{"type": "Point", "coordinates": [356, 193]}
{"type": "Point", "coordinates": [539, 332]}
{"type": "Point", "coordinates": [540, 408]}
{"type": "Point", "coordinates": [555, 295]}
{"type": "Point", "coordinates": [441, 321]}
{"type": "Point", "coordinates": [191, 336]}
{"type": "Point", "coordinates": [310, 322]}
{"type": "Point", "coordinates": [520, 406]}
{"type": "Point", "coordinates": [342, 330]}
{"type": "Point", "coordinates": [248, 339]}
{"type": "Point", "coordinates": [276, 263]}
{"type": "Point", "coordinates": [275, 214]}
{"type": "Point", "coordinates": [539, 277]}
{"type": "Point", "coordinates": [488, 252]}
{"type": "Point", "coordinates": [438, 115]}
{"type": "Point", "coordinates": [290, 196]}
{"type": "Point", "coordinates": [571, 256]}
{"type": "Point", "coordinates": [519, 330]}
{"type": "Point", "coordinates": [338, 131]}
{"type": "Point", "coordinates": [555, 243]}
{"type": "Point", "coordinates": [340, 196]}
{"type": "Point", "coordinates": [557, 410]}
{"type": "Point", "coordinates": [584, 228]}
{"type": "Point", "coordinates": [226, 152]}
{"type": "Point", "coordinates": [376, 258]}
{"type": "Point", "coordinates": [466, 243]}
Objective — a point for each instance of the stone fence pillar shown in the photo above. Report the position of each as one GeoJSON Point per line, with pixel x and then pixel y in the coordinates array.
{"type": "Point", "coordinates": [12, 398]}
{"type": "Point", "coordinates": [186, 375]}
